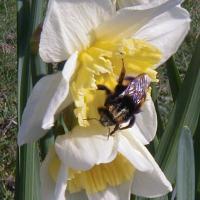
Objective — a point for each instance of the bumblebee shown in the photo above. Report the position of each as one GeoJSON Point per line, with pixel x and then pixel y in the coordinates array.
{"type": "Point", "coordinates": [122, 104]}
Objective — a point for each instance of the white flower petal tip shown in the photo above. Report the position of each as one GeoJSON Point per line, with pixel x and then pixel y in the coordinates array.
{"type": "Point", "coordinates": [68, 26]}
{"type": "Point", "coordinates": [151, 185]}
{"type": "Point", "coordinates": [61, 98]}
{"type": "Point", "coordinates": [146, 183]}
{"type": "Point", "coordinates": [85, 147]}
{"type": "Point", "coordinates": [128, 20]}
{"type": "Point", "coordinates": [173, 26]}
{"type": "Point", "coordinates": [35, 110]}
{"type": "Point", "coordinates": [49, 96]}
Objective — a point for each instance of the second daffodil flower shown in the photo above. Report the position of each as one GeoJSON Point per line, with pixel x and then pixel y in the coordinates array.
{"type": "Point", "coordinates": [97, 37]}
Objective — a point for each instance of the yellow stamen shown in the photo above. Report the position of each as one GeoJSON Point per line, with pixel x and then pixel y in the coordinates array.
{"type": "Point", "coordinates": [101, 64]}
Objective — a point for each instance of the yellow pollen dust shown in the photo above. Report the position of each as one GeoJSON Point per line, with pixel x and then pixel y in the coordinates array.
{"type": "Point", "coordinates": [101, 64]}
{"type": "Point", "coordinates": [98, 178]}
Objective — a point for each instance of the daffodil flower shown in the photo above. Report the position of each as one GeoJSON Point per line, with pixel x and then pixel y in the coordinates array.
{"type": "Point", "coordinates": [94, 37]}
{"type": "Point", "coordinates": [86, 162]}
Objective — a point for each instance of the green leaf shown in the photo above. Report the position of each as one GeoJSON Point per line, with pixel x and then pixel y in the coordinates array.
{"type": "Point", "coordinates": [185, 113]}
{"type": "Point", "coordinates": [197, 160]}
{"type": "Point", "coordinates": [27, 169]}
{"type": "Point", "coordinates": [39, 68]}
{"type": "Point", "coordinates": [27, 179]}
{"type": "Point", "coordinates": [198, 187]}
{"type": "Point", "coordinates": [174, 77]}
{"type": "Point", "coordinates": [160, 128]}
{"type": "Point", "coordinates": [185, 167]}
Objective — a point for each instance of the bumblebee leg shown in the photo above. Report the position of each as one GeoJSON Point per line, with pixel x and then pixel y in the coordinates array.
{"type": "Point", "coordinates": [103, 87]}
{"type": "Point", "coordinates": [131, 122]}
{"type": "Point", "coordinates": [122, 74]}
{"type": "Point", "coordinates": [88, 119]}
{"type": "Point", "coordinates": [114, 130]}
{"type": "Point", "coordinates": [108, 132]}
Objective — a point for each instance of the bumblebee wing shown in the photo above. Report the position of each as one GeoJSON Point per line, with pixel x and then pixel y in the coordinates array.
{"type": "Point", "coordinates": [137, 88]}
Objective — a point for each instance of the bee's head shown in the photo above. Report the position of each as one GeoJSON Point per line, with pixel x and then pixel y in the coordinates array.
{"type": "Point", "coordinates": [106, 118]}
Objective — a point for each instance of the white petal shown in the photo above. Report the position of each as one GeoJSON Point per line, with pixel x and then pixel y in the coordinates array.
{"type": "Point", "coordinates": [167, 31]}
{"type": "Point", "coordinates": [133, 152]}
{"type": "Point", "coordinates": [145, 126]}
{"type": "Point", "coordinates": [154, 184]}
{"type": "Point", "coordinates": [37, 104]}
{"type": "Point", "coordinates": [139, 4]}
{"type": "Point", "coordinates": [69, 25]}
{"type": "Point", "coordinates": [128, 21]}
{"type": "Point", "coordinates": [121, 192]}
{"type": "Point", "coordinates": [61, 183]}
{"type": "Point", "coordinates": [85, 147]}
{"type": "Point", "coordinates": [48, 97]}
{"type": "Point", "coordinates": [150, 183]}
{"type": "Point", "coordinates": [61, 98]}
{"type": "Point", "coordinates": [47, 183]}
